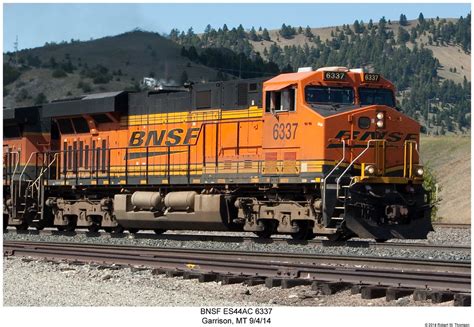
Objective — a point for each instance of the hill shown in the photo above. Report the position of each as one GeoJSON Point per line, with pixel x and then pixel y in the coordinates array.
{"type": "Point", "coordinates": [449, 158]}
{"type": "Point", "coordinates": [106, 64]}
{"type": "Point", "coordinates": [450, 56]}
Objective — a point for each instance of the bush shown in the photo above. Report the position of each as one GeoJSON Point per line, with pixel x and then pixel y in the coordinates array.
{"type": "Point", "coordinates": [10, 74]}
{"type": "Point", "coordinates": [22, 95]}
{"type": "Point", "coordinates": [59, 73]}
{"type": "Point", "coordinates": [40, 99]}
{"type": "Point", "coordinates": [431, 185]}
{"type": "Point", "coordinates": [85, 87]}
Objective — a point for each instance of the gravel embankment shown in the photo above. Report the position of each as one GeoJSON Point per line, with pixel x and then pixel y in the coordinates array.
{"type": "Point", "coordinates": [29, 282]}
{"type": "Point", "coordinates": [442, 236]}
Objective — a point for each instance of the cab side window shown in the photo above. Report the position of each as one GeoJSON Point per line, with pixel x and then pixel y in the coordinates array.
{"type": "Point", "coordinates": [282, 100]}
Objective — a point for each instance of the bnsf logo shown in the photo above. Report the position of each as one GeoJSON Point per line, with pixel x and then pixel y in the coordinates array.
{"type": "Point", "coordinates": [176, 136]}
{"type": "Point", "coordinates": [389, 136]}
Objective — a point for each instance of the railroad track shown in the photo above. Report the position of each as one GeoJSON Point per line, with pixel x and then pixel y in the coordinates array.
{"type": "Point", "coordinates": [439, 279]}
{"type": "Point", "coordinates": [449, 225]}
{"type": "Point", "coordinates": [241, 239]}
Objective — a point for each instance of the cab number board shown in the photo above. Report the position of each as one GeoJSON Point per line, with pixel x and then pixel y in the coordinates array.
{"type": "Point", "coordinates": [334, 76]}
{"type": "Point", "coordinates": [371, 77]}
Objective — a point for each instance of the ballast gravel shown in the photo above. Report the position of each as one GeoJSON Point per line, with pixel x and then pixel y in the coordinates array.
{"type": "Point", "coordinates": [441, 236]}
{"type": "Point", "coordinates": [30, 282]}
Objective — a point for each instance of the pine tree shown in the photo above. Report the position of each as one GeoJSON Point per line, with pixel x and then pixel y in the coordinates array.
{"type": "Point", "coordinates": [421, 19]}
{"type": "Point", "coordinates": [253, 34]}
{"type": "Point", "coordinates": [265, 35]}
{"type": "Point", "coordinates": [403, 20]}
{"type": "Point", "coordinates": [356, 27]}
{"type": "Point", "coordinates": [308, 32]}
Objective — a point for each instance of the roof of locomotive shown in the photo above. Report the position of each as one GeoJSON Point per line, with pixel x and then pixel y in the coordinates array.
{"type": "Point", "coordinates": [21, 115]}
{"type": "Point", "coordinates": [356, 75]}
{"type": "Point", "coordinates": [87, 104]}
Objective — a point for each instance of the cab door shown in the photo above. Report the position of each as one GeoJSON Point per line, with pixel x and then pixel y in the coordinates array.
{"type": "Point", "coordinates": [280, 129]}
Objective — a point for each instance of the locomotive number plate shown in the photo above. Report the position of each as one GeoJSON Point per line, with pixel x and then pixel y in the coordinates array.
{"type": "Point", "coordinates": [371, 77]}
{"type": "Point", "coordinates": [334, 76]}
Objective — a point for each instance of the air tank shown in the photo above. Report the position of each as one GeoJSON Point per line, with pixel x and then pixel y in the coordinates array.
{"type": "Point", "coordinates": [180, 201]}
{"type": "Point", "coordinates": [147, 200]}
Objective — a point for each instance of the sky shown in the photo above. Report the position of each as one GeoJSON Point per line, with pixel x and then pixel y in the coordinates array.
{"type": "Point", "coordinates": [35, 24]}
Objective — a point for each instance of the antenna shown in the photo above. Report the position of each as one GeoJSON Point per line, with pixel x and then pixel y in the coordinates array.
{"type": "Point", "coordinates": [15, 47]}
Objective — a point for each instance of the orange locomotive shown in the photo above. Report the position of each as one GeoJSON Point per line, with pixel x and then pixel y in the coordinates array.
{"type": "Point", "coordinates": [321, 152]}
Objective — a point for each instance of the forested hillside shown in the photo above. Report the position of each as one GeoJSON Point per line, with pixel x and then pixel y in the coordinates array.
{"type": "Point", "coordinates": [404, 51]}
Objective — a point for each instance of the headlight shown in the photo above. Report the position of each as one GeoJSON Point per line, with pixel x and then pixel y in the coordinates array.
{"type": "Point", "coordinates": [370, 170]}
{"type": "Point", "coordinates": [379, 123]}
{"type": "Point", "coordinates": [380, 115]}
{"type": "Point", "coordinates": [420, 171]}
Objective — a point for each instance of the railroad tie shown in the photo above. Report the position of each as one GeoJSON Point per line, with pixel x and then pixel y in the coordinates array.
{"type": "Point", "coordinates": [439, 297]}
{"type": "Point", "coordinates": [421, 295]}
{"type": "Point", "coordinates": [462, 300]}
{"type": "Point", "coordinates": [394, 293]}
{"type": "Point", "coordinates": [373, 292]}
{"type": "Point", "coordinates": [329, 288]}
{"type": "Point", "coordinates": [289, 283]}
{"type": "Point", "coordinates": [228, 280]}
{"type": "Point", "coordinates": [254, 281]}
{"type": "Point", "coordinates": [191, 275]}
{"type": "Point", "coordinates": [273, 282]}
{"type": "Point", "coordinates": [205, 278]}
{"type": "Point", "coordinates": [356, 289]}
{"type": "Point", "coordinates": [174, 273]}
{"type": "Point", "coordinates": [158, 271]}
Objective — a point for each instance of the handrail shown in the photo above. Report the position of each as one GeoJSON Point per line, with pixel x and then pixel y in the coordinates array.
{"type": "Point", "coordinates": [23, 171]}
{"type": "Point", "coordinates": [332, 170]}
{"type": "Point", "coordinates": [55, 157]}
{"type": "Point", "coordinates": [352, 162]}
{"type": "Point", "coordinates": [14, 172]}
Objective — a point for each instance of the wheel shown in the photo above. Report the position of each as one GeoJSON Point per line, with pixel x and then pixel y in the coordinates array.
{"type": "Point", "coordinates": [338, 237]}
{"type": "Point", "coordinates": [108, 229]}
{"type": "Point", "coordinates": [117, 229]}
{"type": "Point", "coordinates": [304, 233]}
{"type": "Point", "coordinates": [22, 227]}
{"type": "Point", "coordinates": [93, 228]}
{"type": "Point", "coordinates": [268, 229]}
{"type": "Point", "coordinates": [61, 228]}
{"type": "Point", "coordinates": [71, 226]}
{"type": "Point", "coordinates": [133, 230]}
{"type": "Point", "coordinates": [159, 231]}
{"type": "Point", "coordinates": [39, 226]}
{"type": "Point", "coordinates": [5, 222]}
{"type": "Point", "coordinates": [263, 234]}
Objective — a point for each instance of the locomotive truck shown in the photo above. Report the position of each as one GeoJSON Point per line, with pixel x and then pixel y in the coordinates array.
{"type": "Point", "coordinates": [316, 152]}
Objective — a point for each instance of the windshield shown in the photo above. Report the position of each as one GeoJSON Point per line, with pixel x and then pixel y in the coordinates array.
{"type": "Point", "coordinates": [376, 96]}
{"type": "Point", "coordinates": [324, 94]}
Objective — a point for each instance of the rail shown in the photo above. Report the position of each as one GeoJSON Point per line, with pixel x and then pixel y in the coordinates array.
{"type": "Point", "coordinates": [424, 274]}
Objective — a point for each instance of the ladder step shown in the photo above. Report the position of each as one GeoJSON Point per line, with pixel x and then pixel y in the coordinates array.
{"type": "Point", "coordinates": [341, 208]}
{"type": "Point", "coordinates": [337, 218]}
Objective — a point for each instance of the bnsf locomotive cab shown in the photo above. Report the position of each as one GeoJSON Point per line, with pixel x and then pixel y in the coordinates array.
{"type": "Point", "coordinates": [343, 130]}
